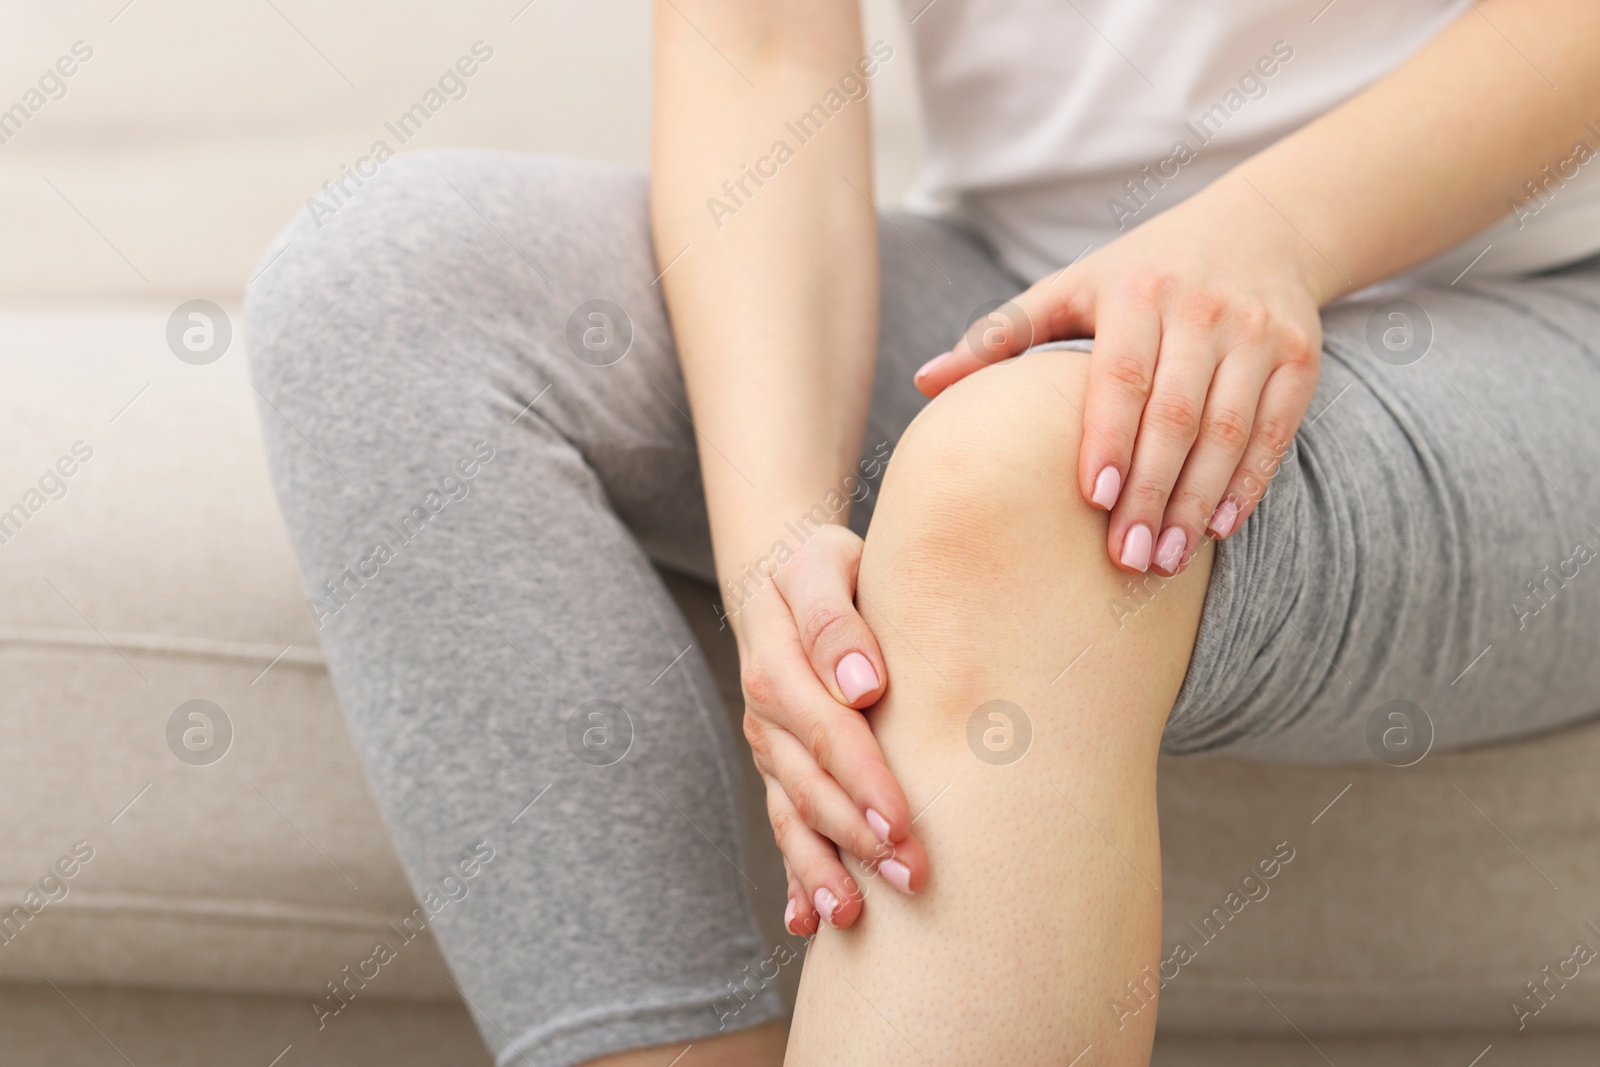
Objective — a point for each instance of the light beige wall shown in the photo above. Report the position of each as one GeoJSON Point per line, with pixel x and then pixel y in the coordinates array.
{"type": "Point", "coordinates": [198, 127]}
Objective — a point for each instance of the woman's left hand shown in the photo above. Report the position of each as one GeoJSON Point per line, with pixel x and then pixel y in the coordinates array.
{"type": "Point", "coordinates": [1207, 341]}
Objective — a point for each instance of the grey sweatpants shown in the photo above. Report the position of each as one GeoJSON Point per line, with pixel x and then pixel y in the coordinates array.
{"type": "Point", "coordinates": [480, 439]}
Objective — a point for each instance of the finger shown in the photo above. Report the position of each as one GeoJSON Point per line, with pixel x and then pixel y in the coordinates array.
{"type": "Point", "coordinates": [1167, 430]}
{"type": "Point", "coordinates": [799, 915]}
{"type": "Point", "coordinates": [818, 798]}
{"type": "Point", "coordinates": [1284, 400]}
{"type": "Point", "coordinates": [827, 809]}
{"type": "Point", "coordinates": [782, 689]}
{"type": "Point", "coordinates": [1225, 425]}
{"type": "Point", "coordinates": [815, 863]}
{"type": "Point", "coordinates": [1121, 369]}
{"type": "Point", "coordinates": [1045, 311]}
{"type": "Point", "coordinates": [837, 641]}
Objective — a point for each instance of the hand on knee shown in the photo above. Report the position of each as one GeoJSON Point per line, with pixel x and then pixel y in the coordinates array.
{"type": "Point", "coordinates": [985, 573]}
{"type": "Point", "coordinates": [808, 662]}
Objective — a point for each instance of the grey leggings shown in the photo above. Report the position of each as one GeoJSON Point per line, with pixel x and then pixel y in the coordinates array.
{"type": "Point", "coordinates": [480, 440]}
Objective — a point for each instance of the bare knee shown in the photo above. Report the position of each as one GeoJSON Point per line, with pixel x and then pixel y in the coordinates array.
{"type": "Point", "coordinates": [1000, 434]}
{"type": "Point", "coordinates": [981, 493]}
{"type": "Point", "coordinates": [985, 572]}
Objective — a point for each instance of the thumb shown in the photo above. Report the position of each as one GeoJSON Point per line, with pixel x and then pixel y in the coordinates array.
{"type": "Point", "coordinates": [820, 593]}
{"type": "Point", "coordinates": [1008, 330]}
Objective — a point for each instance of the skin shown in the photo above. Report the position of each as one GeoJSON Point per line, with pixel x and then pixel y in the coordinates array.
{"type": "Point", "coordinates": [1047, 893]}
{"type": "Point", "coordinates": [781, 301]}
{"type": "Point", "coordinates": [1207, 340]}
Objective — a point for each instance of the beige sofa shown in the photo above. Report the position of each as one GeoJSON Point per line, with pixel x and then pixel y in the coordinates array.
{"type": "Point", "coordinates": [178, 909]}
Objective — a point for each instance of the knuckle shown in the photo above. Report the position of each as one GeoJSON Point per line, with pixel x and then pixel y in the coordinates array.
{"type": "Point", "coordinates": [819, 742]}
{"type": "Point", "coordinates": [1150, 286]}
{"type": "Point", "coordinates": [1129, 373]}
{"type": "Point", "coordinates": [1203, 307]}
{"type": "Point", "coordinates": [1190, 504]}
{"type": "Point", "coordinates": [755, 733]}
{"type": "Point", "coordinates": [1226, 428]}
{"type": "Point", "coordinates": [822, 620]}
{"type": "Point", "coordinates": [1074, 303]}
{"type": "Point", "coordinates": [783, 825]}
{"type": "Point", "coordinates": [1300, 347]}
{"type": "Point", "coordinates": [1252, 324]}
{"type": "Point", "coordinates": [803, 795]}
{"type": "Point", "coordinates": [1274, 435]}
{"type": "Point", "coordinates": [1147, 497]}
{"type": "Point", "coordinates": [759, 685]}
{"type": "Point", "coordinates": [1175, 414]}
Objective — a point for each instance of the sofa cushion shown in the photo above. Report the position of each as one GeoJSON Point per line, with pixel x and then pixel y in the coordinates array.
{"type": "Point", "coordinates": [108, 1026]}
{"type": "Point", "coordinates": [158, 574]}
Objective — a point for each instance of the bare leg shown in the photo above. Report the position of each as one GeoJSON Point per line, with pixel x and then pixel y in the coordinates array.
{"type": "Point", "coordinates": [760, 1046]}
{"type": "Point", "coordinates": [985, 576]}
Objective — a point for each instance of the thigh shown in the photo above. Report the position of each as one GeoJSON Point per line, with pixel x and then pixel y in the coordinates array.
{"type": "Point", "coordinates": [517, 681]}
{"type": "Point", "coordinates": [558, 315]}
{"type": "Point", "coordinates": [1426, 555]}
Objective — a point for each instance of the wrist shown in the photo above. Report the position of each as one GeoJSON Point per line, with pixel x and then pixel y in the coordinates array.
{"type": "Point", "coordinates": [750, 552]}
{"type": "Point", "coordinates": [1273, 229]}
{"type": "Point", "coordinates": [760, 544]}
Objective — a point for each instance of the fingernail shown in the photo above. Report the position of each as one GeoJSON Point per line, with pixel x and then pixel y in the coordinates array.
{"type": "Point", "coordinates": [825, 901]}
{"type": "Point", "coordinates": [879, 824]}
{"type": "Point", "coordinates": [896, 874]}
{"type": "Point", "coordinates": [1169, 551]}
{"type": "Point", "coordinates": [1223, 518]}
{"type": "Point", "coordinates": [788, 916]}
{"type": "Point", "coordinates": [1107, 485]}
{"type": "Point", "coordinates": [930, 365]}
{"type": "Point", "coordinates": [856, 676]}
{"type": "Point", "coordinates": [1136, 547]}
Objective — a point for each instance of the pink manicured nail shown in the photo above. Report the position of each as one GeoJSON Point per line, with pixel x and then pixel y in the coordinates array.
{"type": "Point", "coordinates": [1107, 487]}
{"type": "Point", "coordinates": [1169, 551]}
{"type": "Point", "coordinates": [930, 365]}
{"type": "Point", "coordinates": [1136, 547]}
{"type": "Point", "coordinates": [879, 824]}
{"type": "Point", "coordinates": [856, 676]}
{"type": "Point", "coordinates": [896, 874]}
{"type": "Point", "coordinates": [1223, 518]}
{"type": "Point", "coordinates": [788, 916]}
{"type": "Point", "coordinates": [826, 902]}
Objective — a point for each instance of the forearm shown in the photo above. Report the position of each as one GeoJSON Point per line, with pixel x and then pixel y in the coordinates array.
{"type": "Point", "coordinates": [771, 280]}
{"type": "Point", "coordinates": [1434, 152]}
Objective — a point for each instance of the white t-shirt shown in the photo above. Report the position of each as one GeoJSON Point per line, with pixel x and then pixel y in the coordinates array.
{"type": "Point", "coordinates": [1055, 125]}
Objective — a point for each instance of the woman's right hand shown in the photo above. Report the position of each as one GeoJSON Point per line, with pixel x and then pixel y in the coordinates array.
{"type": "Point", "coordinates": [808, 662]}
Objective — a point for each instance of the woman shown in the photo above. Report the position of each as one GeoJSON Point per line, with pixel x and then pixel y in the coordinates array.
{"type": "Point", "coordinates": [501, 386]}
